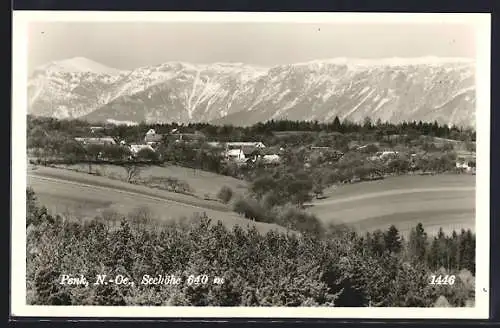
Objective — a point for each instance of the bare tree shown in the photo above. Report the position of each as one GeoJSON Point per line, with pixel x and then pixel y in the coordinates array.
{"type": "Point", "coordinates": [133, 171]}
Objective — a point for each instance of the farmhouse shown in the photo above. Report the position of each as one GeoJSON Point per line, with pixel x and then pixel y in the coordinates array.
{"type": "Point", "coordinates": [255, 145]}
{"type": "Point", "coordinates": [134, 149]}
{"type": "Point", "coordinates": [271, 159]}
{"type": "Point", "coordinates": [466, 162]}
{"type": "Point", "coordinates": [214, 144]}
{"type": "Point", "coordinates": [387, 154]}
{"type": "Point", "coordinates": [152, 137]}
{"type": "Point", "coordinates": [177, 136]}
{"type": "Point", "coordinates": [239, 150]}
{"type": "Point", "coordinates": [94, 129]}
{"type": "Point", "coordinates": [97, 141]}
{"type": "Point", "coordinates": [235, 155]}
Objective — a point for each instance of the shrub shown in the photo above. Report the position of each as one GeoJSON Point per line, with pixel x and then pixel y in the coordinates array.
{"type": "Point", "coordinates": [297, 219]}
{"type": "Point", "coordinates": [170, 184]}
{"type": "Point", "coordinates": [251, 209]}
{"type": "Point", "coordinates": [225, 194]}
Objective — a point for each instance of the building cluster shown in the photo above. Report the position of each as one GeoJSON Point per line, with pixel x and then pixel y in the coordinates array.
{"type": "Point", "coordinates": [239, 152]}
{"type": "Point", "coordinates": [245, 152]}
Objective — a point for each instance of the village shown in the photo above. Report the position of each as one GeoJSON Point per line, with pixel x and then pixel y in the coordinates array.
{"type": "Point", "coordinates": [243, 153]}
{"type": "Point", "coordinates": [237, 152]}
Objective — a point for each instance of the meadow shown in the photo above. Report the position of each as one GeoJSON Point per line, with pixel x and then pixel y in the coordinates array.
{"type": "Point", "coordinates": [446, 201]}
{"type": "Point", "coordinates": [202, 182]}
{"type": "Point", "coordinates": [86, 196]}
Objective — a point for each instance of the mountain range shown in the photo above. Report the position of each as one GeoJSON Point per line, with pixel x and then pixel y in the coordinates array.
{"type": "Point", "coordinates": [393, 89]}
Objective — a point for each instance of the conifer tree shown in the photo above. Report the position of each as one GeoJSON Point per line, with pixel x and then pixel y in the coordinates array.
{"type": "Point", "coordinates": [392, 240]}
{"type": "Point", "coordinates": [418, 243]}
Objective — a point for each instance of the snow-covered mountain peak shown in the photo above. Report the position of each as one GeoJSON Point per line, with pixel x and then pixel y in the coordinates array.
{"type": "Point", "coordinates": [391, 62]}
{"type": "Point", "coordinates": [78, 65]}
{"type": "Point", "coordinates": [392, 89]}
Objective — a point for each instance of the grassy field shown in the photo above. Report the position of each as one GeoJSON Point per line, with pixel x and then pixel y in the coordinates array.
{"type": "Point", "coordinates": [202, 182]}
{"type": "Point", "coordinates": [85, 196]}
{"type": "Point", "coordinates": [446, 201]}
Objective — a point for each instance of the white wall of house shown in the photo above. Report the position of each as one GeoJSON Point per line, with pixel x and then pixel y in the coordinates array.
{"type": "Point", "coordinates": [137, 148]}
{"type": "Point", "coordinates": [271, 158]}
{"type": "Point", "coordinates": [235, 154]}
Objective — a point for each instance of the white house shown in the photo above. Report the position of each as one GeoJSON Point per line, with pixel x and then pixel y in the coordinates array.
{"type": "Point", "coordinates": [152, 137]}
{"type": "Point", "coordinates": [214, 144]}
{"type": "Point", "coordinates": [137, 148]}
{"type": "Point", "coordinates": [233, 145]}
{"type": "Point", "coordinates": [97, 141]}
{"type": "Point", "coordinates": [467, 164]}
{"type": "Point", "coordinates": [94, 129]}
{"type": "Point", "coordinates": [235, 154]}
{"type": "Point", "coordinates": [271, 159]}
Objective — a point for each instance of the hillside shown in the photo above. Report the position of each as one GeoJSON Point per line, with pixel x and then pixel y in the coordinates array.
{"type": "Point", "coordinates": [443, 201]}
{"type": "Point", "coordinates": [427, 89]}
{"type": "Point", "coordinates": [85, 196]}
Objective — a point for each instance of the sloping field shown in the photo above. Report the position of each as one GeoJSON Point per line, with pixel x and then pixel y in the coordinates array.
{"type": "Point", "coordinates": [83, 195]}
{"type": "Point", "coordinates": [446, 201]}
{"type": "Point", "coordinates": [202, 182]}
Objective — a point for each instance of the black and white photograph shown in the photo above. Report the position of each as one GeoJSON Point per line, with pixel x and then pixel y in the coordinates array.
{"type": "Point", "coordinates": [250, 164]}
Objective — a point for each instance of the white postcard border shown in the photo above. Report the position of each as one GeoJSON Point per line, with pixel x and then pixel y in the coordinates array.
{"type": "Point", "coordinates": [481, 22]}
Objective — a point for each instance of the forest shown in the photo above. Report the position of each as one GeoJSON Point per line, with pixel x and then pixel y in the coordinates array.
{"type": "Point", "coordinates": [337, 267]}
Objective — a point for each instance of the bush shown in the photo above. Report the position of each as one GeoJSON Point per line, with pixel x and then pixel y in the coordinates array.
{"type": "Point", "coordinates": [299, 220]}
{"type": "Point", "coordinates": [251, 209]}
{"type": "Point", "coordinates": [170, 184]}
{"type": "Point", "coordinates": [225, 194]}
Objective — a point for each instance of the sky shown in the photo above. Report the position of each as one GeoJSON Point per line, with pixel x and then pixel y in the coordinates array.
{"type": "Point", "coordinates": [131, 45]}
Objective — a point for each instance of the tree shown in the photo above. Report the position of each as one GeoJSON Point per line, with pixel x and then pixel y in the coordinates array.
{"type": "Point", "coordinates": [116, 152]}
{"type": "Point", "coordinates": [261, 185]}
{"type": "Point", "coordinates": [466, 251]}
{"type": "Point", "coordinates": [377, 242]}
{"type": "Point", "coordinates": [418, 243]}
{"type": "Point", "coordinates": [367, 124]}
{"type": "Point", "coordinates": [225, 194]}
{"type": "Point", "coordinates": [392, 240]}
{"type": "Point", "coordinates": [337, 126]}
{"type": "Point", "coordinates": [93, 153]}
{"type": "Point", "coordinates": [147, 154]}
{"type": "Point", "coordinates": [73, 151]}
{"type": "Point", "coordinates": [133, 171]}
{"type": "Point", "coordinates": [297, 190]}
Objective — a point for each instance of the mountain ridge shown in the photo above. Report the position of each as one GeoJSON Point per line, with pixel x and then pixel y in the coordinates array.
{"type": "Point", "coordinates": [392, 89]}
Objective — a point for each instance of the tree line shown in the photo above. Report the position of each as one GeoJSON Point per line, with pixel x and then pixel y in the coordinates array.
{"type": "Point", "coordinates": [76, 127]}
